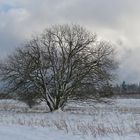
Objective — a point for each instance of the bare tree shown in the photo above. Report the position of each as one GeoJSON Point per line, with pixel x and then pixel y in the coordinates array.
{"type": "Point", "coordinates": [57, 63]}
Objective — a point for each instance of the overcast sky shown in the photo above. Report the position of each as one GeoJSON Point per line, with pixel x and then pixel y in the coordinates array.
{"type": "Point", "coordinates": [117, 21]}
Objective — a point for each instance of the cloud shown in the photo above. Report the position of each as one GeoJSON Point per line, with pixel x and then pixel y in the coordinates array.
{"type": "Point", "coordinates": [114, 20]}
{"type": "Point", "coordinates": [129, 70]}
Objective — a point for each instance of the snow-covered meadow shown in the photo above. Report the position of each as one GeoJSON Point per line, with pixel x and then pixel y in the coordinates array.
{"type": "Point", "coordinates": [118, 119]}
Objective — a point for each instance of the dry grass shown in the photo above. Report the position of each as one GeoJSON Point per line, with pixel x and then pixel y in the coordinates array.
{"type": "Point", "coordinates": [99, 124]}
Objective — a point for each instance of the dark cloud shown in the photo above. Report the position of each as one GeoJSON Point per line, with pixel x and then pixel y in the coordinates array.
{"type": "Point", "coordinates": [102, 12]}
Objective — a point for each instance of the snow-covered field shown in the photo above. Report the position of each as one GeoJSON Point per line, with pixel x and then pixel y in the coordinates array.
{"type": "Point", "coordinates": [119, 119]}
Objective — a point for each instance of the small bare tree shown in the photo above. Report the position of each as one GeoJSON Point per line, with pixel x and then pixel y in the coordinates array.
{"type": "Point", "coordinates": [57, 63]}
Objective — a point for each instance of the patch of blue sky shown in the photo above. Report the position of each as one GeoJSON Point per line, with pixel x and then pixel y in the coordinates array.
{"type": "Point", "coordinates": [6, 7]}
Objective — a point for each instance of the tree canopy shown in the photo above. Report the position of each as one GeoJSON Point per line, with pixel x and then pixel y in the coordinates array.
{"type": "Point", "coordinates": [54, 64]}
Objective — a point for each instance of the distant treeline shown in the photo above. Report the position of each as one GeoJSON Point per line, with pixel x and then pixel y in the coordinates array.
{"type": "Point", "coordinates": [125, 88]}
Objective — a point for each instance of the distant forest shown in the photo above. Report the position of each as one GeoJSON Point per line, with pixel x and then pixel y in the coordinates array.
{"type": "Point", "coordinates": [125, 88]}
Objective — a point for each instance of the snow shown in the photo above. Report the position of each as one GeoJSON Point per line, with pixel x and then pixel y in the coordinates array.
{"type": "Point", "coordinates": [88, 120]}
{"type": "Point", "coordinates": [27, 133]}
{"type": "Point", "coordinates": [128, 103]}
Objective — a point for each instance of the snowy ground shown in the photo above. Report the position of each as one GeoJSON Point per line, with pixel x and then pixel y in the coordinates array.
{"type": "Point", "coordinates": [88, 120]}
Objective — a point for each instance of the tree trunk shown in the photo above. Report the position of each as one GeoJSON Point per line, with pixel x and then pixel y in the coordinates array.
{"type": "Point", "coordinates": [49, 105]}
